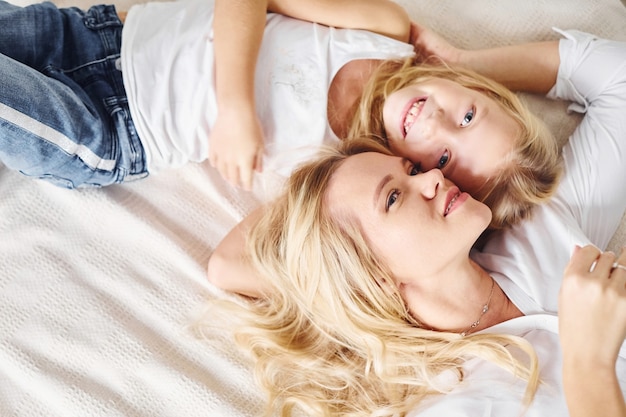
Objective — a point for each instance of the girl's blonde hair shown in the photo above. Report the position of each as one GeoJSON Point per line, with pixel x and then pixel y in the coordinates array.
{"type": "Point", "coordinates": [333, 337]}
{"type": "Point", "coordinates": [532, 172]}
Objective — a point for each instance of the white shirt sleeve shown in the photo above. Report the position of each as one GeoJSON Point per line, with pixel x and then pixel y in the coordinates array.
{"type": "Point", "coordinates": [592, 75]}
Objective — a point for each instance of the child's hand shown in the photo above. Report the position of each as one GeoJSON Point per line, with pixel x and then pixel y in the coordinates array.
{"type": "Point", "coordinates": [592, 308]}
{"type": "Point", "coordinates": [236, 148]}
{"type": "Point", "coordinates": [429, 44]}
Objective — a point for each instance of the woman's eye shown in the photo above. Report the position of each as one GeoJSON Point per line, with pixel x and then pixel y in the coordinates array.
{"type": "Point", "coordinates": [443, 160]}
{"type": "Point", "coordinates": [415, 169]}
{"type": "Point", "coordinates": [469, 116]}
{"type": "Point", "coordinates": [391, 200]}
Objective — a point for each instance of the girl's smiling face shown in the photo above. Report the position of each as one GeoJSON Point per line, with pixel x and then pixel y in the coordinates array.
{"type": "Point", "coordinates": [438, 123]}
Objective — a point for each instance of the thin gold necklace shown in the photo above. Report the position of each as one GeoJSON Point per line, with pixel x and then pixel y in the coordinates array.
{"type": "Point", "coordinates": [482, 312]}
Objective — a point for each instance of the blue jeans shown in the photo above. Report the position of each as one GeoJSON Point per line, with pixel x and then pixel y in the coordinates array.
{"type": "Point", "coordinates": [64, 113]}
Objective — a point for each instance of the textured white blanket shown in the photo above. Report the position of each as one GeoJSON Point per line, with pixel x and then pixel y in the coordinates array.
{"type": "Point", "coordinates": [97, 286]}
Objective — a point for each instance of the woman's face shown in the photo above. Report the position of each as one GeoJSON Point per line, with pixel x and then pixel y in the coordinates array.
{"type": "Point", "coordinates": [418, 223]}
{"type": "Point", "coordinates": [438, 123]}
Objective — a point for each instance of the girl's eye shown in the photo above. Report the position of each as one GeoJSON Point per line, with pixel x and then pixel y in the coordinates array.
{"type": "Point", "coordinates": [415, 169]}
{"type": "Point", "coordinates": [393, 197]}
{"type": "Point", "coordinates": [469, 116]}
{"type": "Point", "coordinates": [443, 160]}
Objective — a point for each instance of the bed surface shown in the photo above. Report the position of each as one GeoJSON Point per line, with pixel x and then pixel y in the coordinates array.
{"type": "Point", "coordinates": [97, 286]}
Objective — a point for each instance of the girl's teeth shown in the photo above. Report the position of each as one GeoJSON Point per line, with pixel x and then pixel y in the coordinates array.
{"type": "Point", "coordinates": [411, 115]}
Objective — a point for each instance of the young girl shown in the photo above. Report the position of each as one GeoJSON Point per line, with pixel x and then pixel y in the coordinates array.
{"type": "Point", "coordinates": [510, 160]}
{"type": "Point", "coordinates": [118, 103]}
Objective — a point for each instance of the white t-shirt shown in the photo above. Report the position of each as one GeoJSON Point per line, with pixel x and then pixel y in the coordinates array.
{"type": "Point", "coordinates": [490, 391]}
{"type": "Point", "coordinates": [528, 261]}
{"type": "Point", "coordinates": [167, 62]}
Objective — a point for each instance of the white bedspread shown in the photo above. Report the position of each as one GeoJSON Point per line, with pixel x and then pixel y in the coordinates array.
{"type": "Point", "coordinates": [97, 286]}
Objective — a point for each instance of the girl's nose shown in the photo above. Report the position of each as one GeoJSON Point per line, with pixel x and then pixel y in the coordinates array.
{"type": "Point", "coordinates": [437, 125]}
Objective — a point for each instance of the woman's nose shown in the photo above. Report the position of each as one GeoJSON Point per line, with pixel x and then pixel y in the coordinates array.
{"type": "Point", "coordinates": [429, 182]}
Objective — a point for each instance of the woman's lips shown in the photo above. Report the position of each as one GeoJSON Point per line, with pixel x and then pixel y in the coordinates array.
{"type": "Point", "coordinates": [413, 110]}
{"type": "Point", "coordinates": [454, 199]}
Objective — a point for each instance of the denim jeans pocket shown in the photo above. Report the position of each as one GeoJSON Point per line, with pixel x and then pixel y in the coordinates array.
{"type": "Point", "coordinates": [101, 17]}
{"type": "Point", "coordinates": [129, 152]}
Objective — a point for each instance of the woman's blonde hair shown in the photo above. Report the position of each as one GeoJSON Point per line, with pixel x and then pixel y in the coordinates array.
{"type": "Point", "coordinates": [532, 172]}
{"type": "Point", "coordinates": [333, 337]}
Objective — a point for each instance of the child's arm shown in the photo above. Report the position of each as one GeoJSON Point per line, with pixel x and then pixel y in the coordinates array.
{"type": "Point", "coordinates": [384, 17]}
{"type": "Point", "coordinates": [237, 139]}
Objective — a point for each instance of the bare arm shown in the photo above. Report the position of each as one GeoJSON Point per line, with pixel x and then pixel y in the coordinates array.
{"type": "Point", "coordinates": [384, 17]}
{"type": "Point", "coordinates": [529, 67]}
{"type": "Point", "coordinates": [229, 267]}
{"type": "Point", "coordinates": [592, 327]}
{"type": "Point", "coordinates": [237, 139]}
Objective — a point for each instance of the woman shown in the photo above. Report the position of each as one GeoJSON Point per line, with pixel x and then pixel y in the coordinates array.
{"type": "Point", "coordinates": [373, 295]}
{"type": "Point", "coordinates": [118, 103]}
{"type": "Point", "coordinates": [368, 216]}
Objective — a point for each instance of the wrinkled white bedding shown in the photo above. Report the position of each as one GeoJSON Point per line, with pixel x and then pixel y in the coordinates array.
{"type": "Point", "coordinates": [97, 286]}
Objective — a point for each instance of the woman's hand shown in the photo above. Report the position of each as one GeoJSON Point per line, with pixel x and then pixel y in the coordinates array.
{"type": "Point", "coordinates": [592, 305]}
{"type": "Point", "coordinates": [592, 328]}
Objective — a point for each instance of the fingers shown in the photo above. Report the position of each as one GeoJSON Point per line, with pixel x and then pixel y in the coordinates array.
{"type": "Point", "coordinates": [606, 269]}
{"type": "Point", "coordinates": [620, 261]}
{"type": "Point", "coordinates": [583, 260]}
{"type": "Point", "coordinates": [604, 263]}
{"type": "Point", "coordinates": [238, 173]}
{"type": "Point", "coordinates": [258, 165]}
{"type": "Point", "coordinates": [246, 174]}
{"type": "Point", "coordinates": [232, 174]}
{"type": "Point", "coordinates": [590, 260]}
{"type": "Point", "coordinates": [246, 171]}
{"type": "Point", "coordinates": [618, 271]}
